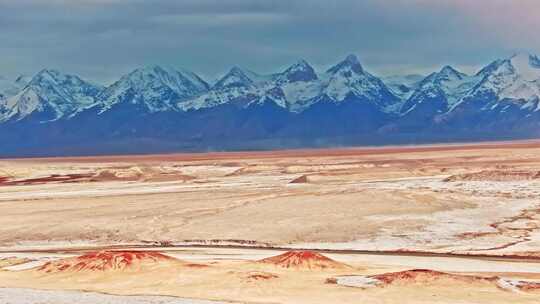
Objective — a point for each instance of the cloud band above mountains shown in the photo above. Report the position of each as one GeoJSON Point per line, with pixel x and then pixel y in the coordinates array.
{"type": "Point", "coordinates": [102, 38]}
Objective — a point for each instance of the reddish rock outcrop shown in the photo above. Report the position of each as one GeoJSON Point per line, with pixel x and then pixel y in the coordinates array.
{"type": "Point", "coordinates": [426, 275]}
{"type": "Point", "coordinates": [300, 180]}
{"type": "Point", "coordinates": [309, 260]}
{"type": "Point", "coordinates": [104, 261]}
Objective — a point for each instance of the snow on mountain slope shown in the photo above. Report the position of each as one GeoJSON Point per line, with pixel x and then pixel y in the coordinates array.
{"type": "Point", "coordinates": [301, 87]}
{"type": "Point", "coordinates": [236, 87]}
{"type": "Point", "coordinates": [527, 65]}
{"type": "Point", "coordinates": [301, 95]}
{"type": "Point", "coordinates": [234, 95]}
{"type": "Point", "coordinates": [516, 78]}
{"type": "Point", "coordinates": [526, 86]}
{"type": "Point", "coordinates": [235, 78]}
{"type": "Point", "coordinates": [403, 85]}
{"type": "Point", "coordinates": [409, 80]}
{"type": "Point", "coordinates": [344, 105]}
{"type": "Point", "coordinates": [298, 72]}
{"type": "Point", "coordinates": [155, 88]}
{"type": "Point", "coordinates": [296, 88]}
{"type": "Point", "coordinates": [275, 95]}
{"type": "Point", "coordinates": [9, 87]}
{"type": "Point", "coordinates": [241, 87]}
{"type": "Point", "coordinates": [349, 78]}
{"type": "Point", "coordinates": [445, 87]}
{"type": "Point", "coordinates": [52, 95]}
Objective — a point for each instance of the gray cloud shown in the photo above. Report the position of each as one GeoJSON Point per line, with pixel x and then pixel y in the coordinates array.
{"type": "Point", "coordinates": [101, 39]}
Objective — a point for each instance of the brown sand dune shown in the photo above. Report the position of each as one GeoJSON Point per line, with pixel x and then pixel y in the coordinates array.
{"type": "Point", "coordinates": [112, 175]}
{"type": "Point", "coordinates": [495, 175]}
{"type": "Point", "coordinates": [139, 173]}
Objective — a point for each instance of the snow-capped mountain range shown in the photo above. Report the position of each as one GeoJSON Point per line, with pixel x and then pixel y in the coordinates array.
{"type": "Point", "coordinates": [155, 88]}
{"type": "Point", "coordinates": [51, 95]}
{"type": "Point", "coordinates": [299, 100]}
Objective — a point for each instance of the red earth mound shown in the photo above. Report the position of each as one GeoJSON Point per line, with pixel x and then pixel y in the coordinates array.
{"type": "Point", "coordinates": [54, 178]}
{"type": "Point", "coordinates": [300, 180]}
{"type": "Point", "coordinates": [303, 260]}
{"type": "Point", "coordinates": [426, 275]}
{"type": "Point", "coordinates": [104, 260]}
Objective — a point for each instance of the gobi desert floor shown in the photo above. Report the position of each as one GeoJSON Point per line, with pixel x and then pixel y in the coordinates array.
{"type": "Point", "coordinates": [430, 224]}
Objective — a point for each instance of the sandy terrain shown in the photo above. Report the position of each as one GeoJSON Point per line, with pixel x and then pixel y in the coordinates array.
{"type": "Point", "coordinates": [477, 200]}
{"type": "Point", "coordinates": [290, 277]}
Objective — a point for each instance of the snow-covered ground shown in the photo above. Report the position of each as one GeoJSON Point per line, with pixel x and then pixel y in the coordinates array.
{"type": "Point", "coordinates": [444, 231]}
{"type": "Point", "coordinates": [32, 296]}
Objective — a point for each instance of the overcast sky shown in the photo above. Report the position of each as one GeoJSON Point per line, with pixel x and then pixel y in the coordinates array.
{"type": "Point", "coordinates": [102, 39]}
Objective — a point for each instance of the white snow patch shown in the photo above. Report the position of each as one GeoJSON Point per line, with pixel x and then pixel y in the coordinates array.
{"type": "Point", "coordinates": [527, 66]}
{"type": "Point", "coordinates": [357, 281]}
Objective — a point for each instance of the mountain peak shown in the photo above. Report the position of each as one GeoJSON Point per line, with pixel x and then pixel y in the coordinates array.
{"type": "Point", "coordinates": [53, 78]}
{"type": "Point", "coordinates": [525, 56]}
{"type": "Point", "coordinates": [236, 70]}
{"type": "Point", "coordinates": [172, 77]}
{"type": "Point", "coordinates": [350, 63]}
{"type": "Point", "coordinates": [449, 73]}
{"type": "Point", "coordinates": [353, 59]}
{"type": "Point", "coordinates": [46, 74]}
{"type": "Point", "coordinates": [52, 95]}
{"type": "Point", "coordinates": [299, 71]}
{"type": "Point", "coordinates": [154, 87]}
{"type": "Point", "coordinates": [151, 70]}
{"type": "Point", "coordinates": [526, 65]}
{"type": "Point", "coordinates": [236, 77]}
{"type": "Point", "coordinates": [300, 64]}
{"type": "Point", "coordinates": [49, 71]}
{"type": "Point", "coordinates": [448, 69]}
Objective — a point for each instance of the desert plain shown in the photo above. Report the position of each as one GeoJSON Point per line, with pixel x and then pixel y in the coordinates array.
{"type": "Point", "coordinates": [453, 223]}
